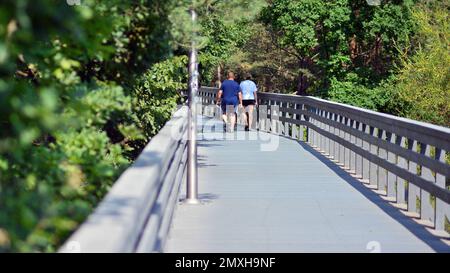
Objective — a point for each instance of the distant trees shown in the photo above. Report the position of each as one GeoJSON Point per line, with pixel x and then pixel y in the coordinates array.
{"type": "Point", "coordinates": [379, 57]}
{"type": "Point", "coordinates": [334, 38]}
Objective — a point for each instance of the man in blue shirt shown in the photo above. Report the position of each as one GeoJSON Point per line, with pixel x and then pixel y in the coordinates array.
{"type": "Point", "coordinates": [249, 99]}
{"type": "Point", "coordinates": [229, 96]}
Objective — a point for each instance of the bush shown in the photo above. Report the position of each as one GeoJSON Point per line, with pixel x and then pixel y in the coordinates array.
{"type": "Point", "coordinates": [352, 92]}
{"type": "Point", "coordinates": [157, 93]}
{"type": "Point", "coordinates": [424, 80]}
{"type": "Point", "coordinates": [48, 188]}
{"type": "Point", "coordinates": [69, 119]}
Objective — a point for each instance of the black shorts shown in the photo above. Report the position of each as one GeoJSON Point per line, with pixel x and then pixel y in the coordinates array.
{"type": "Point", "coordinates": [246, 103]}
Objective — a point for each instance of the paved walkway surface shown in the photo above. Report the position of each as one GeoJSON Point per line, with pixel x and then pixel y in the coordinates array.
{"type": "Point", "coordinates": [264, 193]}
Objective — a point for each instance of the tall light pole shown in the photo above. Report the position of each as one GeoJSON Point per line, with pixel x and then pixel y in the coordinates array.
{"type": "Point", "coordinates": [192, 180]}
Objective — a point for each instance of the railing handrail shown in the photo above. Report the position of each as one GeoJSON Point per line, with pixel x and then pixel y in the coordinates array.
{"type": "Point", "coordinates": [423, 128]}
{"type": "Point", "coordinates": [135, 214]}
{"type": "Point", "coordinates": [404, 158]}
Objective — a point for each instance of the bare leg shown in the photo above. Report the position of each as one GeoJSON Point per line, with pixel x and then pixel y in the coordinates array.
{"type": "Point", "coordinates": [232, 121]}
{"type": "Point", "coordinates": [224, 118]}
{"type": "Point", "coordinates": [246, 121]}
{"type": "Point", "coordinates": [250, 116]}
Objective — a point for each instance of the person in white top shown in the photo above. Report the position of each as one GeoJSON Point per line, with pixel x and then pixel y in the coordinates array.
{"type": "Point", "coordinates": [249, 99]}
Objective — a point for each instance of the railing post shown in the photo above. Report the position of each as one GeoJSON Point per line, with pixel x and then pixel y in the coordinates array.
{"type": "Point", "coordinates": [428, 203]}
{"type": "Point", "coordinates": [442, 208]}
{"type": "Point", "coordinates": [337, 155]}
{"type": "Point", "coordinates": [366, 163]}
{"type": "Point", "coordinates": [402, 184]}
{"type": "Point", "coordinates": [359, 161]}
{"type": "Point", "coordinates": [391, 178]}
{"type": "Point", "coordinates": [331, 141]}
{"type": "Point", "coordinates": [192, 181]}
{"type": "Point", "coordinates": [373, 168]}
{"type": "Point", "coordinates": [413, 190]}
{"type": "Point", "coordinates": [341, 120]}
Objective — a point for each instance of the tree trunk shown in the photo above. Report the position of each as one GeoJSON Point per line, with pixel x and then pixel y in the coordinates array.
{"type": "Point", "coordinates": [219, 76]}
{"type": "Point", "coordinates": [303, 81]}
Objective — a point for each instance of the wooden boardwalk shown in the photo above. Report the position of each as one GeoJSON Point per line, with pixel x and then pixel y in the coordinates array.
{"type": "Point", "coordinates": [267, 193]}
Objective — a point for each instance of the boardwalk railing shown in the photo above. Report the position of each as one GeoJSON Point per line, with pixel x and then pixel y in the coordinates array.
{"type": "Point", "coordinates": [405, 160]}
{"type": "Point", "coordinates": [135, 215]}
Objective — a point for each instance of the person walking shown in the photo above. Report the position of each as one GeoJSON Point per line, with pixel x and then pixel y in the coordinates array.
{"type": "Point", "coordinates": [229, 97]}
{"type": "Point", "coordinates": [249, 99]}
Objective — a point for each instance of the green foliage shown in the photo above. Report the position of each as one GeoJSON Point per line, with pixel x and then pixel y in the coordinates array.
{"type": "Point", "coordinates": [76, 164]}
{"type": "Point", "coordinates": [223, 40]}
{"type": "Point", "coordinates": [82, 89]}
{"type": "Point", "coordinates": [334, 38]}
{"type": "Point", "coordinates": [274, 68]}
{"type": "Point", "coordinates": [158, 92]}
{"type": "Point", "coordinates": [220, 30]}
{"type": "Point", "coordinates": [352, 92]}
{"type": "Point", "coordinates": [447, 224]}
{"type": "Point", "coordinates": [226, 13]}
{"type": "Point", "coordinates": [69, 115]}
{"type": "Point", "coordinates": [99, 160]}
{"type": "Point", "coordinates": [392, 58]}
{"type": "Point", "coordinates": [424, 80]}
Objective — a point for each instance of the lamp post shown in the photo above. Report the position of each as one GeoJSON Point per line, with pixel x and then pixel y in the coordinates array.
{"type": "Point", "coordinates": [192, 180]}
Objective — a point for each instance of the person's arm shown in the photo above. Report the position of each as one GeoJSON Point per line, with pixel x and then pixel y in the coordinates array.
{"type": "Point", "coordinates": [240, 98]}
{"type": "Point", "coordinates": [219, 95]}
{"type": "Point", "coordinates": [254, 93]}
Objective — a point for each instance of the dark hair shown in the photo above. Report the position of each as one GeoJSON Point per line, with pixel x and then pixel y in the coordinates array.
{"type": "Point", "coordinates": [248, 76]}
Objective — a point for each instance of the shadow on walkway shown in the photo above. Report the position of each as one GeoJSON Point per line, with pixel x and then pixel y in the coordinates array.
{"type": "Point", "coordinates": [418, 230]}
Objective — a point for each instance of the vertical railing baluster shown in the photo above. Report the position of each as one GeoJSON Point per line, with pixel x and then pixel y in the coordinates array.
{"type": "Point", "coordinates": [288, 125]}
{"type": "Point", "coordinates": [402, 185]}
{"type": "Point", "coordinates": [351, 125]}
{"type": "Point", "coordinates": [321, 137]}
{"type": "Point", "coordinates": [373, 167]}
{"type": "Point", "coordinates": [366, 162]}
{"type": "Point", "coordinates": [316, 134]}
{"type": "Point", "coordinates": [391, 178]}
{"type": "Point", "coordinates": [358, 158]}
{"type": "Point", "coordinates": [346, 150]}
{"type": "Point", "coordinates": [337, 146]}
{"type": "Point", "coordinates": [382, 174]}
{"type": "Point", "coordinates": [310, 131]}
{"type": "Point", "coordinates": [427, 210]}
{"type": "Point", "coordinates": [304, 129]}
{"type": "Point", "coordinates": [413, 191]}
{"type": "Point", "coordinates": [341, 147]}
{"type": "Point", "coordinates": [442, 219]}
{"type": "Point", "coordinates": [328, 129]}
{"type": "Point", "coordinates": [294, 126]}
{"type": "Point", "coordinates": [332, 131]}
{"type": "Point", "coordinates": [262, 116]}
{"type": "Point", "coordinates": [282, 124]}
